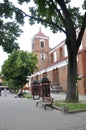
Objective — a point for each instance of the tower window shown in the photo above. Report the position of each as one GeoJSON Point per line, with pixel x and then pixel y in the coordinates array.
{"type": "Point", "coordinates": [42, 56]}
{"type": "Point", "coordinates": [33, 45]}
{"type": "Point", "coordinates": [42, 44]}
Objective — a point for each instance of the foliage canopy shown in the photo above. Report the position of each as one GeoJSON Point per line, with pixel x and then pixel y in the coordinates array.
{"type": "Point", "coordinates": [18, 66]}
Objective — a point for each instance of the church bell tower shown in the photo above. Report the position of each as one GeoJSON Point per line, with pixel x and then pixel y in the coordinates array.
{"type": "Point", "coordinates": [40, 47]}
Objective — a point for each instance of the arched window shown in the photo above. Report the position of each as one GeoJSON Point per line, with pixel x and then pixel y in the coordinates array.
{"type": "Point", "coordinates": [42, 44]}
{"type": "Point", "coordinates": [42, 56]}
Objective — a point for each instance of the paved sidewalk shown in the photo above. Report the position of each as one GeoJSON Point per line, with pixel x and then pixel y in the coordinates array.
{"type": "Point", "coordinates": [62, 96]}
{"type": "Point", "coordinates": [22, 114]}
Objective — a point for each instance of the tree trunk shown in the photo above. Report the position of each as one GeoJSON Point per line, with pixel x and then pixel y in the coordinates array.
{"type": "Point", "coordinates": [71, 95]}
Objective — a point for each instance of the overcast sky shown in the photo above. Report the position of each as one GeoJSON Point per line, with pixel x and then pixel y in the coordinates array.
{"type": "Point", "coordinates": [29, 31]}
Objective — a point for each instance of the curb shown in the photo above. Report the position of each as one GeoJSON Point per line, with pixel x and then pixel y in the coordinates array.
{"type": "Point", "coordinates": [66, 111]}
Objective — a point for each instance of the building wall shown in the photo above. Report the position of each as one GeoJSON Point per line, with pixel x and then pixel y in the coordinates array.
{"type": "Point", "coordinates": [57, 54]}
{"type": "Point", "coordinates": [82, 88]}
{"type": "Point", "coordinates": [37, 44]}
{"type": "Point", "coordinates": [49, 75]}
{"type": "Point", "coordinates": [84, 40]}
{"type": "Point", "coordinates": [82, 72]}
{"type": "Point", "coordinates": [63, 77]}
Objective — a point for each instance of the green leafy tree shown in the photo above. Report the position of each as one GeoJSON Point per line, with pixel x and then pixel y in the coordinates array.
{"type": "Point", "coordinates": [9, 32]}
{"type": "Point", "coordinates": [19, 65]}
{"type": "Point", "coordinates": [59, 16]}
{"type": "Point", "coordinates": [9, 29]}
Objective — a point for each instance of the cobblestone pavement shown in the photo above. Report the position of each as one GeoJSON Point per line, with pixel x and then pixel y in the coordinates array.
{"type": "Point", "coordinates": [22, 114]}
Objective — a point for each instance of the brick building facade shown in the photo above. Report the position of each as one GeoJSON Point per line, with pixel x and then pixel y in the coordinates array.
{"type": "Point", "coordinates": [54, 61]}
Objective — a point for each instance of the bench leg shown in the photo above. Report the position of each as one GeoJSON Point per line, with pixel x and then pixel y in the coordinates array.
{"type": "Point", "coordinates": [45, 107]}
{"type": "Point", "coordinates": [48, 105]}
{"type": "Point", "coordinates": [36, 104]}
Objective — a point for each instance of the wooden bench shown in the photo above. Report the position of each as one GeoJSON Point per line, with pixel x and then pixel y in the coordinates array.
{"type": "Point", "coordinates": [46, 101]}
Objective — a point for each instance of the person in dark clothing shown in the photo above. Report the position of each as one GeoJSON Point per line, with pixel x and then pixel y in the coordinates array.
{"type": "Point", "coordinates": [20, 94]}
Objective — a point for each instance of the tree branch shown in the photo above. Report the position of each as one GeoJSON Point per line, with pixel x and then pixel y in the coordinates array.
{"type": "Point", "coordinates": [32, 17]}
{"type": "Point", "coordinates": [41, 20]}
{"type": "Point", "coordinates": [70, 30]}
{"type": "Point", "coordinates": [58, 11]}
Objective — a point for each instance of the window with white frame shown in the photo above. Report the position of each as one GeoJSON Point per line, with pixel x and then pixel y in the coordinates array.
{"type": "Point", "coordinates": [42, 56]}
{"type": "Point", "coordinates": [42, 43]}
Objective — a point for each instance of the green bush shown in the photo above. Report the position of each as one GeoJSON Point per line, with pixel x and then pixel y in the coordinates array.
{"type": "Point", "coordinates": [27, 95]}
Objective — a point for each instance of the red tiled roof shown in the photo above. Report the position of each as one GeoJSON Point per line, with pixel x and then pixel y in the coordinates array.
{"type": "Point", "coordinates": [40, 34]}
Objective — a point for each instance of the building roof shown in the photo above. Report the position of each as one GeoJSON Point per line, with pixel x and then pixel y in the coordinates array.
{"type": "Point", "coordinates": [40, 34]}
